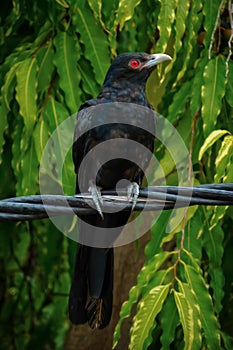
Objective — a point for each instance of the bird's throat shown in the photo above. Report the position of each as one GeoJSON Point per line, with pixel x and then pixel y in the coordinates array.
{"type": "Point", "coordinates": [130, 93]}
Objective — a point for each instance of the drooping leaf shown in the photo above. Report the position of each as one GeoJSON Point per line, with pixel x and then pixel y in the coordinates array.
{"type": "Point", "coordinates": [60, 142]}
{"type": "Point", "coordinates": [210, 10]}
{"type": "Point", "coordinates": [26, 93]}
{"type": "Point", "coordinates": [63, 3]}
{"type": "Point", "coordinates": [134, 295]}
{"type": "Point", "coordinates": [17, 154]}
{"type": "Point", "coordinates": [165, 19]}
{"type": "Point", "coordinates": [67, 55]}
{"type": "Point", "coordinates": [9, 86]}
{"type": "Point", "coordinates": [149, 307]}
{"type": "Point", "coordinates": [40, 136]}
{"type": "Point", "coordinates": [210, 140]}
{"type": "Point", "coordinates": [195, 323]}
{"type": "Point", "coordinates": [213, 245]}
{"type": "Point", "coordinates": [191, 20]}
{"type": "Point", "coordinates": [195, 103]}
{"type": "Point", "coordinates": [169, 319]}
{"type": "Point", "coordinates": [3, 126]}
{"type": "Point", "coordinates": [213, 90]}
{"type": "Point", "coordinates": [96, 6]}
{"type": "Point", "coordinates": [186, 317]}
{"type": "Point", "coordinates": [208, 319]}
{"type": "Point", "coordinates": [125, 11]}
{"type": "Point", "coordinates": [192, 241]}
{"type": "Point", "coordinates": [224, 158]}
{"type": "Point", "coordinates": [89, 85]}
{"type": "Point", "coordinates": [29, 168]}
{"type": "Point", "coordinates": [180, 27]}
{"type": "Point", "coordinates": [229, 87]}
{"type": "Point", "coordinates": [96, 44]}
{"type": "Point", "coordinates": [178, 105]}
{"type": "Point", "coordinates": [157, 233]}
{"type": "Point", "coordinates": [45, 63]}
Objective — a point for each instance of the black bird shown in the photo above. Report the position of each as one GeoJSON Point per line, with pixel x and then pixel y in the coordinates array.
{"type": "Point", "coordinates": [122, 96]}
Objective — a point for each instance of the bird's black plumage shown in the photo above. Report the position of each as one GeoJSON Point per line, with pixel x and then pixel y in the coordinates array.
{"type": "Point", "coordinates": [122, 92]}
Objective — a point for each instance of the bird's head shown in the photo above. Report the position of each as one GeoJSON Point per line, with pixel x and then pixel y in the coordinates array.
{"type": "Point", "coordinates": [133, 67]}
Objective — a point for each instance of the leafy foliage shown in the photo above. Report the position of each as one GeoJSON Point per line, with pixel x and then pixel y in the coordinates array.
{"type": "Point", "coordinates": [54, 56]}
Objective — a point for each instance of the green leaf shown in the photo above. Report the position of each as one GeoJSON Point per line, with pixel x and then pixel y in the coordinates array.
{"type": "Point", "coordinates": [169, 319]}
{"type": "Point", "coordinates": [3, 126]}
{"type": "Point", "coordinates": [150, 267]}
{"type": "Point", "coordinates": [26, 94]}
{"type": "Point", "coordinates": [187, 319]}
{"type": "Point", "coordinates": [180, 27]}
{"type": "Point", "coordinates": [96, 6]}
{"type": "Point", "coordinates": [90, 86]}
{"type": "Point", "coordinates": [178, 105]}
{"type": "Point", "coordinates": [157, 233]}
{"type": "Point", "coordinates": [65, 59]}
{"type": "Point", "coordinates": [9, 85]}
{"type": "Point", "coordinates": [125, 11]}
{"type": "Point", "coordinates": [46, 68]}
{"type": "Point", "coordinates": [196, 332]}
{"type": "Point", "coordinates": [95, 41]}
{"type": "Point", "coordinates": [149, 307]}
{"type": "Point", "coordinates": [54, 155]}
{"type": "Point", "coordinates": [195, 103]}
{"type": "Point", "coordinates": [165, 19]}
{"type": "Point", "coordinates": [224, 158]}
{"type": "Point", "coordinates": [213, 245]}
{"type": "Point", "coordinates": [208, 319]}
{"type": "Point", "coordinates": [213, 90]}
{"type": "Point", "coordinates": [210, 10]}
{"type": "Point", "coordinates": [227, 340]}
{"type": "Point", "coordinates": [210, 140]}
{"type": "Point", "coordinates": [40, 136]}
{"type": "Point", "coordinates": [29, 169]}
{"type": "Point", "coordinates": [229, 88]}
{"type": "Point", "coordinates": [134, 294]}
{"type": "Point", "coordinates": [63, 3]}
{"type": "Point", "coordinates": [188, 19]}
{"type": "Point", "coordinates": [192, 242]}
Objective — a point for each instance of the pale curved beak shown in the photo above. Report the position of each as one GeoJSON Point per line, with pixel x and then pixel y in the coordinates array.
{"type": "Point", "coordinates": [155, 59]}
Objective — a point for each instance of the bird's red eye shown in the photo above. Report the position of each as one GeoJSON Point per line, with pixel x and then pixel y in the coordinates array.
{"type": "Point", "coordinates": [134, 64]}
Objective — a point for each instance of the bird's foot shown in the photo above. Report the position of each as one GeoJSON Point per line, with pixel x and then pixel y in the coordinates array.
{"type": "Point", "coordinates": [96, 196]}
{"type": "Point", "coordinates": [133, 193]}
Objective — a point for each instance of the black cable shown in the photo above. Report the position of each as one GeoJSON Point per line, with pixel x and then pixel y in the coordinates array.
{"type": "Point", "coordinates": [151, 198]}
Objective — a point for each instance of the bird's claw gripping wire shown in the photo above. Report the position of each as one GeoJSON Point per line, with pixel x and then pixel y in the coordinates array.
{"type": "Point", "coordinates": [133, 193]}
{"type": "Point", "coordinates": [97, 198]}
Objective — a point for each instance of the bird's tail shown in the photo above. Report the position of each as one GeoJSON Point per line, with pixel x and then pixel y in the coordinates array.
{"type": "Point", "coordinates": [91, 291]}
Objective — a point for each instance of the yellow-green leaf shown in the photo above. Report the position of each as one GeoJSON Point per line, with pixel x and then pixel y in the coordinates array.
{"type": "Point", "coordinates": [40, 136]}
{"type": "Point", "coordinates": [186, 317]}
{"type": "Point", "coordinates": [149, 307]}
{"type": "Point", "coordinates": [26, 94]}
{"type": "Point", "coordinates": [224, 158]}
{"type": "Point", "coordinates": [208, 319]}
{"type": "Point", "coordinates": [210, 140]}
{"type": "Point", "coordinates": [165, 19]}
{"type": "Point", "coordinates": [125, 11]}
{"type": "Point", "coordinates": [194, 332]}
{"type": "Point", "coordinates": [213, 90]}
{"type": "Point", "coordinates": [63, 3]}
{"type": "Point", "coordinates": [8, 87]}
